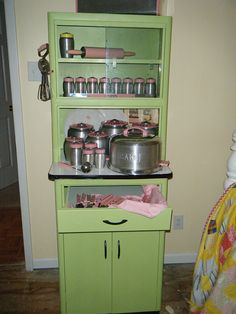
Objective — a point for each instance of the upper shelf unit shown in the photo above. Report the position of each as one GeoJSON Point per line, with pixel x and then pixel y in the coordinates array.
{"type": "Point", "coordinates": [127, 56]}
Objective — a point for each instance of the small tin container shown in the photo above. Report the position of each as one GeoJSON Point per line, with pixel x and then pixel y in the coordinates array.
{"type": "Point", "coordinates": [127, 86]}
{"type": "Point", "coordinates": [88, 156]}
{"type": "Point", "coordinates": [68, 86]}
{"type": "Point", "coordinates": [100, 158]}
{"type": "Point", "coordinates": [104, 85]}
{"type": "Point", "coordinates": [66, 43]}
{"type": "Point", "coordinates": [80, 85]}
{"type": "Point", "coordinates": [76, 155]}
{"type": "Point", "coordinates": [116, 85]}
{"type": "Point", "coordinates": [92, 85]}
{"type": "Point", "coordinates": [139, 86]}
{"type": "Point", "coordinates": [150, 87]}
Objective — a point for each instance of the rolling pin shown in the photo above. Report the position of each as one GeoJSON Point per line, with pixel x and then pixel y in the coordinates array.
{"type": "Point", "coordinates": [101, 53]}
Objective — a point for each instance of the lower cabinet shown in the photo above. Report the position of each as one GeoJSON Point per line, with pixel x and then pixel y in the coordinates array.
{"type": "Point", "coordinates": [111, 272]}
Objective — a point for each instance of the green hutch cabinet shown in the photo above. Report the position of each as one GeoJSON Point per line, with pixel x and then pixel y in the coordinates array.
{"type": "Point", "coordinates": [110, 259]}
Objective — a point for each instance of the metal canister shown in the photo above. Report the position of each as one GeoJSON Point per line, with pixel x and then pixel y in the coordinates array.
{"type": "Point", "coordinates": [88, 156]}
{"type": "Point", "coordinates": [150, 87]}
{"type": "Point", "coordinates": [66, 147]}
{"type": "Point", "coordinates": [68, 86]}
{"type": "Point", "coordinates": [100, 158]}
{"type": "Point", "coordinates": [104, 85]}
{"type": "Point", "coordinates": [76, 155]}
{"type": "Point", "coordinates": [116, 85]}
{"type": "Point", "coordinates": [139, 86]}
{"type": "Point", "coordinates": [80, 85]}
{"type": "Point", "coordinates": [92, 85]}
{"type": "Point", "coordinates": [66, 43]}
{"type": "Point", "coordinates": [127, 86]}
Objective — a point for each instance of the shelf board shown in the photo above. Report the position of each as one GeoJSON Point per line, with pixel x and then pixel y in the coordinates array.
{"type": "Point", "coordinates": [109, 61]}
{"type": "Point", "coordinates": [108, 102]}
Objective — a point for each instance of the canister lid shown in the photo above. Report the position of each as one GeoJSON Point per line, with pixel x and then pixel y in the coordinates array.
{"type": "Point", "coordinates": [100, 151]}
{"type": "Point", "coordinates": [66, 35]}
{"type": "Point", "coordinates": [90, 145]}
{"type": "Point", "coordinates": [139, 80]}
{"type": "Point", "coordinates": [80, 79]}
{"type": "Point", "coordinates": [116, 80]}
{"type": "Point", "coordinates": [88, 151]}
{"type": "Point", "coordinates": [104, 80]}
{"type": "Point", "coordinates": [68, 79]}
{"type": "Point", "coordinates": [128, 80]}
{"type": "Point", "coordinates": [92, 79]}
{"type": "Point", "coordinates": [76, 145]}
{"type": "Point", "coordinates": [150, 80]}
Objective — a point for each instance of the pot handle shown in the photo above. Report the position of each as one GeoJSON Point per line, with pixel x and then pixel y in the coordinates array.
{"type": "Point", "coordinates": [144, 132]}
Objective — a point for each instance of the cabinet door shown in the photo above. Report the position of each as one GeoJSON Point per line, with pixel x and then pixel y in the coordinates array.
{"type": "Point", "coordinates": [87, 259]}
{"type": "Point", "coordinates": [135, 271]}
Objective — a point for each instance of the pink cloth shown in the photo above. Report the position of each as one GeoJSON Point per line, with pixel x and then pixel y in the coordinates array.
{"type": "Point", "coordinates": [150, 204]}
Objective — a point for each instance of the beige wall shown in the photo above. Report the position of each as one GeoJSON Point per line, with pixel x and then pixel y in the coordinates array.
{"type": "Point", "coordinates": [201, 115]}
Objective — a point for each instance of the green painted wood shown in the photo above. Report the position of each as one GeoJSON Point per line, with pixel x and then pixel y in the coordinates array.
{"type": "Point", "coordinates": [91, 220]}
{"type": "Point", "coordinates": [111, 30]}
{"type": "Point", "coordinates": [61, 264]}
{"type": "Point", "coordinates": [135, 274]}
{"type": "Point", "coordinates": [160, 267]}
{"type": "Point", "coordinates": [87, 273]}
{"type": "Point", "coordinates": [90, 283]}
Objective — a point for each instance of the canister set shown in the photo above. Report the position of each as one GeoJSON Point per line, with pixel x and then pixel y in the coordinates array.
{"type": "Point", "coordinates": [85, 148]}
{"type": "Point", "coordinates": [114, 86]}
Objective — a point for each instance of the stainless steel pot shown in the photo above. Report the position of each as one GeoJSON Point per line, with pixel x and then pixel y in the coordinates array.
{"type": "Point", "coordinates": [134, 153]}
{"type": "Point", "coordinates": [80, 130]}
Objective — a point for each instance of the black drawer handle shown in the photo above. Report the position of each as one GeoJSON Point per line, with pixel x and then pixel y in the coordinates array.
{"type": "Point", "coordinates": [115, 223]}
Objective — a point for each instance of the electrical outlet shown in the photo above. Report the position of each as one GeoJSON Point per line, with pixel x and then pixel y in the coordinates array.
{"type": "Point", "coordinates": [178, 222]}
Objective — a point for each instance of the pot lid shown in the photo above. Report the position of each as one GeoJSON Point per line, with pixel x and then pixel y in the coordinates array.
{"type": "Point", "coordinates": [81, 126]}
{"type": "Point", "coordinates": [114, 123]}
{"type": "Point", "coordinates": [146, 124]}
{"type": "Point", "coordinates": [98, 134]}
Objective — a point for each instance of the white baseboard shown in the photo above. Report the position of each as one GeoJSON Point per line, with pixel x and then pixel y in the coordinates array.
{"type": "Point", "coordinates": [180, 258]}
{"type": "Point", "coordinates": [45, 263]}
{"type": "Point", "coordinates": [176, 258]}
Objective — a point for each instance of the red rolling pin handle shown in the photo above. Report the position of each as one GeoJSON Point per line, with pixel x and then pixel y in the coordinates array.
{"type": "Point", "coordinates": [102, 53]}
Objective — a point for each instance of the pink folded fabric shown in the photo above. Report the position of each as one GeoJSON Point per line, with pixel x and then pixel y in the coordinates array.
{"type": "Point", "coordinates": [150, 204]}
{"type": "Point", "coordinates": [145, 209]}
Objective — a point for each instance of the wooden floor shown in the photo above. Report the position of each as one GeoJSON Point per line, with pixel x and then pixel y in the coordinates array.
{"type": "Point", "coordinates": [11, 237]}
{"type": "Point", "coordinates": [37, 292]}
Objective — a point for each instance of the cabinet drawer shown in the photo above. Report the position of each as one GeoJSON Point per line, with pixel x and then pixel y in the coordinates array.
{"type": "Point", "coordinates": [110, 219]}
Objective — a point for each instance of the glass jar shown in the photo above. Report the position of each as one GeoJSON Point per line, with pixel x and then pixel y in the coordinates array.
{"type": "Point", "coordinates": [80, 85]}
{"type": "Point", "coordinates": [92, 85]}
{"type": "Point", "coordinates": [127, 86]}
{"type": "Point", "coordinates": [68, 86]}
{"type": "Point", "coordinates": [116, 85]}
{"type": "Point", "coordinates": [139, 86]}
{"type": "Point", "coordinates": [104, 85]}
{"type": "Point", "coordinates": [150, 87]}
